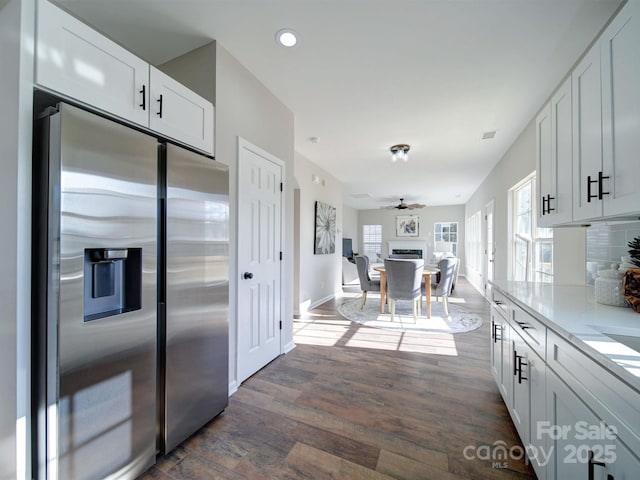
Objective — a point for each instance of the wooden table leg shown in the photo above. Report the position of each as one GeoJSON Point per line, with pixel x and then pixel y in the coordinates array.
{"type": "Point", "coordinates": [427, 292]}
{"type": "Point", "coordinates": [383, 290]}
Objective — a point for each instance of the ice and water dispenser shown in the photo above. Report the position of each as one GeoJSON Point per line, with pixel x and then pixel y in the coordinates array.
{"type": "Point", "coordinates": [112, 281]}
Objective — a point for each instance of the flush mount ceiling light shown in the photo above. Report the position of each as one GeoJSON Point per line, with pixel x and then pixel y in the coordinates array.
{"type": "Point", "coordinates": [286, 37]}
{"type": "Point", "coordinates": [400, 152]}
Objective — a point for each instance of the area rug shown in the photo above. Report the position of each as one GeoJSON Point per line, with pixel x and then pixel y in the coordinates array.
{"type": "Point", "coordinates": [460, 319]}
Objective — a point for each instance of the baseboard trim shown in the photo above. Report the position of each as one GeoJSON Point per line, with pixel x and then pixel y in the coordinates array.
{"type": "Point", "coordinates": [319, 302]}
{"type": "Point", "coordinates": [289, 346]}
{"type": "Point", "coordinates": [233, 387]}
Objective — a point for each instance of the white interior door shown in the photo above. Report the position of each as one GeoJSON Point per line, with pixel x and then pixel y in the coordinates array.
{"type": "Point", "coordinates": [489, 247]}
{"type": "Point", "coordinates": [259, 262]}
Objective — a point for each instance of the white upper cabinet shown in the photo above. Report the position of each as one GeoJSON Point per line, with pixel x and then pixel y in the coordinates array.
{"type": "Point", "coordinates": [588, 181]}
{"type": "Point", "coordinates": [559, 201]}
{"type": "Point", "coordinates": [606, 122]}
{"type": "Point", "coordinates": [179, 113]}
{"type": "Point", "coordinates": [78, 62]}
{"type": "Point", "coordinates": [620, 57]}
{"type": "Point", "coordinates": [544, 164]}
{"type": "Point", "coordinates": [554, 159]}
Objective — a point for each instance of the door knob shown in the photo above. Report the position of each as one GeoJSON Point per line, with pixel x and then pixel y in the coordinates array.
{"type": "Point", "coordinates": [247, 275]}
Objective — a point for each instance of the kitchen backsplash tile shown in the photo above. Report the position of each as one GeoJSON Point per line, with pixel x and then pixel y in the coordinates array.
{"type": "Point", "coordinates": [606, 244]}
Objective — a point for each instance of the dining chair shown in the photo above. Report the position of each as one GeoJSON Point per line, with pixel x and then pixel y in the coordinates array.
{"type": "Point", "coordinates": [404, 281]}
{"type": "Point", "coordinates": [444, 287]}
{"type": "Point", "coordinates": [366, 283]}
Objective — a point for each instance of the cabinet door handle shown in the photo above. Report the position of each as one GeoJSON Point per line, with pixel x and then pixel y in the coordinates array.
{"type": "Point", "coordinates": [600, 188]}
{"type": "Point", "coordinates": [497, 302]}
{"type": "Point", "coordinates": [544, 208]}
{"type": "Point", "coordinates": [515, 362]}
{"type": "Point", "coordinates": [524, 325]}
{"type": "Point", "coordinates": [160, 105]}
{"type": "Point", "coordinates": [143, 92]}
{"type": "Point", "coordinates": [495, 332]}
{"type": "Point", "coordinates": [592, 463]}
{"type": "Point", "coordinates": [549, 209]}
{"type": "Point", "coordinates": [589, 182]}
{"type": "Point", "coordinates": [520, 365]}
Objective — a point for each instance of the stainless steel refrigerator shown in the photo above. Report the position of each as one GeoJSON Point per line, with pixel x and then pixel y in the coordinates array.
{"type": "Point", "coordinates": [130, 253]}
{"type": "Point", "coordinates": [194, 302]}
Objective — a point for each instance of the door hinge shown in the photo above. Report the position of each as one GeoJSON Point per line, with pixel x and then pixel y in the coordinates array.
{"type": "Point", "coordinates": [281, 187]}
{"type": "Point", "coordinates": [280, 324]}
{"type": "Point", "coordinates": [280, 256]}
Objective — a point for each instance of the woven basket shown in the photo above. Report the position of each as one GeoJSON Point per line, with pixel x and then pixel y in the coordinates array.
{"type": "Point", "coordinates": [631, 288]}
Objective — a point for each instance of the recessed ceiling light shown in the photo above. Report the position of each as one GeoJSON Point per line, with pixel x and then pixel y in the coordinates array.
{"type": "Point", "coordinates": [286, 37]}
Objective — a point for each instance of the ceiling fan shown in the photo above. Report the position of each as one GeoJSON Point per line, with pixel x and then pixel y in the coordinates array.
{"type": "Point", "coordinates": [405, 206]}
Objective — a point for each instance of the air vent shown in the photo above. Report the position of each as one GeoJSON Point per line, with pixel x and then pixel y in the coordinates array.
{"type": "Point", "coordinates": [488, 135]}
{"type": "Point", "coordinates": [360, 195]}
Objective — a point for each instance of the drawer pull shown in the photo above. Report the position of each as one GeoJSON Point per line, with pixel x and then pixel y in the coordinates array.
{"type": "Point", "coordinates": [524, 325]}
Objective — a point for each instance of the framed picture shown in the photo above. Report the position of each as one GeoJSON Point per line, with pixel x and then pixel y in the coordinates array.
{"type": "Point", "coordinates": [325, 229]}
{"type": "Point", "coordinates": [407, 226]}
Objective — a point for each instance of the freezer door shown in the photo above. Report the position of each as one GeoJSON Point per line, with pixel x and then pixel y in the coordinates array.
{"type": "Point", "coordinates": [197, 293]}
{"type": "Point", "coordinates": [101, 373]}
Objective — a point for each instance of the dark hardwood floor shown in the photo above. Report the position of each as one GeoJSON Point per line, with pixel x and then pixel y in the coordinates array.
{"type": "Point", "coordinates": [351, 402]}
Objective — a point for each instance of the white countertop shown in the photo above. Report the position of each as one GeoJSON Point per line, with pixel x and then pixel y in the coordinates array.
{"type": "Point", "coordinates": [572, 312]}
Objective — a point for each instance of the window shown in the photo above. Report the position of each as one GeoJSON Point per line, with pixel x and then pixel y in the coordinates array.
{"type": "Point", "coordinates": [474, 242]}
{"type": "Point", "coordinates": [532, 247]}
{"type": "Point", "coordinates": [372, 241]}
{"type": "Point", "coordinates": [445, 237]}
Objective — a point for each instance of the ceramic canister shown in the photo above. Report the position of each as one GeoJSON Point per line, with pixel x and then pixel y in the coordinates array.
{"type": "Point", "coordinates": [609, 287]}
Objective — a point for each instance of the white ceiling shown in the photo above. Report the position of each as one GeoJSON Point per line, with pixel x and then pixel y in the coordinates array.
{"type": "Point", "coordinates": [367, 74]}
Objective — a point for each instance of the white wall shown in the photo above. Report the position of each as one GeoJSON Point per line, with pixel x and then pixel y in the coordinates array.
{"type": "Point", "coordinates": [350, 227]}
{"type": "Point", "coordinates": [320, 276]}
{"type": "Point", "coordinates": [428, 216]}
{"type": "Point", "coordinates": [244, 108]}
{"type": "Point", "coordinates": [518, 162]}
{"type": "Point", "coordinates": [16, 78]}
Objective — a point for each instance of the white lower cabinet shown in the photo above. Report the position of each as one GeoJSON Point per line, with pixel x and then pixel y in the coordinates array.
{"type": "Point", "coordinates": [582, 445]}
{"type": "Point", "coordinates": [528, 401]}
{"type": "Point", "coordinates": [501, 353]}
{"type": "Point", "coordinates": [576, 420]}
{"type": "Point", "coordinates": [574, 454]}
{"type": "Point", "coordinates": [519, 371]}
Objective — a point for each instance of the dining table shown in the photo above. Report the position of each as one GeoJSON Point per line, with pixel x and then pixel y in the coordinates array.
{"type": "Point", "coordinates": [426, 275]}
